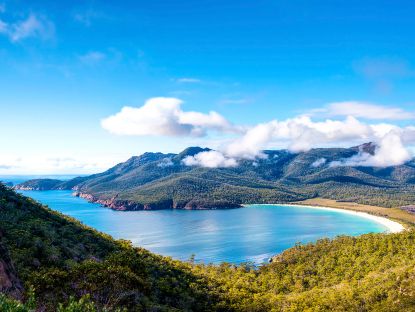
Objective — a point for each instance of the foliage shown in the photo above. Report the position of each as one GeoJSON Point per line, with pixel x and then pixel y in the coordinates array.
{"type": "Point", "coordinates": [373, 272]}
{"type": "Point", "coordinates": [84, 304]}
{"type": "Point", "coordinates": [162, 181]}
{"type": "Point", "coordinates": [61, 258]}
{"type": "Point", "coordinates": [11, 305]}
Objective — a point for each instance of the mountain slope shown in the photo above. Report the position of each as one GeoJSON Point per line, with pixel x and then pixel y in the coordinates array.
{"type": "Point", "coordinates": [163, 181]}
{"type": "Point", "coordinates": [66, 266]}
{"type": "Point", "coordinates": [59, 257]}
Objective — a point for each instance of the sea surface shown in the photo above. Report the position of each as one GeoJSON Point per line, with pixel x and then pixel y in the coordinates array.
{"type": "Point", "coordinates": [250, 234]}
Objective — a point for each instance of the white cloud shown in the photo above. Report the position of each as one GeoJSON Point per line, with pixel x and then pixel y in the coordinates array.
{"type": "Point", "coordinates": [188, 80]}
{"type": "Point", "coordinates": [33, 26]}
{"type": "Point", "coordinates": [407, 134]}
{"type": "Point", "coordinates": [302, 134]}
{"type": "Point", "coordinates": [210, 159]}
{"type": "Point", "coordinates": [252, 143]}
{"type": "Point", "coordinates": [163, 117]}
{"type": "Point", "coordinates": [319, 162]}
{"type": "Point", "coordinates": [165, 162]}
{"type": "Point", "coordinates": [298, 134]}
{"type": "Point", "coordinates": [364, 110]}
{"type": "Point", "coordinates": [38, 164]}
{"type": "Point", "coordinates": [389, 152]}
{"type": "Point", "coordinates": [92, 57]}
{"type": "Point", "coordinates": [8, 163]}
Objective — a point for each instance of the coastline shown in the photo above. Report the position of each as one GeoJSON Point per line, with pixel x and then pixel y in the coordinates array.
{"type": "Point", "coordinates": [365, 211]}
{"type": "Point", "coordinates": [391, 225]}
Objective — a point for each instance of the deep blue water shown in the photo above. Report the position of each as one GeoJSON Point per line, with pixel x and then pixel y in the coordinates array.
{"type": "Point", "coordinates": [253, 233]}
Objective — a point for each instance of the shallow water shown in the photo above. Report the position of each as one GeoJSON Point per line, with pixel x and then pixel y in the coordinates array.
{"type": "Point", "coordinates": [253, 233]}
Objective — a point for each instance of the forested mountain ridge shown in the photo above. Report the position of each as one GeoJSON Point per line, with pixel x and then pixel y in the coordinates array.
{"type": "Point", "coordinates": [65, 266]}
{"type": "Point", "coordinates": [162, 181]}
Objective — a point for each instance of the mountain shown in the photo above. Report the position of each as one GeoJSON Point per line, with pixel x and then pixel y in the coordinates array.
{"type": "Point", "coordinates": [51, 262]}
{"type": "Point", "coordinates": [163, 181]}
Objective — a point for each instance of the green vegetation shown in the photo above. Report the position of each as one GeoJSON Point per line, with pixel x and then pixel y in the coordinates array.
{"type": "Point", "coordinates": [65, 266]}
{"type": "Point", "coordinates": [62, 259]}
{"type": "Point", "coordinates": [162, 181]}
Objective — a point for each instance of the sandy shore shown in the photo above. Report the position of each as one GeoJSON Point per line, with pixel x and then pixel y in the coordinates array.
{"type": "Point", "coordinates": [393, 226]}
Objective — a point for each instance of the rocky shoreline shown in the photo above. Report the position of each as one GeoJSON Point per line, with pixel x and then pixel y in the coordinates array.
{"type": "Point", "coordinates": [126, 205]}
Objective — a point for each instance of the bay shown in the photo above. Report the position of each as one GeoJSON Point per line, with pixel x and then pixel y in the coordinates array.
{"type": "Point", "coordinates": [250, 234]}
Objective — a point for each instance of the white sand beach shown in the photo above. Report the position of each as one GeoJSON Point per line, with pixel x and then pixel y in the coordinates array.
{"type": "Point", "coordinates": [393, 226]}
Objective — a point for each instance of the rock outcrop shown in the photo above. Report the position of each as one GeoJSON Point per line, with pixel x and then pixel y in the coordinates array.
{"type": "Point", "coordinates": [9, 282]}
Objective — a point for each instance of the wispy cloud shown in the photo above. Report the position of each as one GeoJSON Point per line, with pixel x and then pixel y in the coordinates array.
{"type": "Point", "coordinates": [42, 165]}
{"type": "Point", "coordinates": [363, 110]}
{"type": "Point", "coordinates": [319, 162]}
{"type": "Point", "coordinates": [92, 57]}
{"type": "Point", "coordinates": [165, 162]}
{"type": "Point", "coordinates": [231, 101]}
{"type": "Point", "coordinates": [34, 26]}
{"type": "Point", "coordinates": [383, 72]}
{"type": "Point", "coordinates": [381, 68]}
{"type": "Point", "coordinates": [210, 159]}
{"type": "Point", "coordinates": [3, 28]}
{"type": "Point", "coordinates": [9, 163]}
{"type": "Point", "coordinates": [178, 93]}
{"type": "Point", "coordinates": [188, 80]}
{"type": "Point", "coordinates": [88, 16]}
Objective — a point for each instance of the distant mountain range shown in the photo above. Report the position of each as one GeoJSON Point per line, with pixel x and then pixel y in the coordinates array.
{"type": "Point", "coordinates": [163, 181]}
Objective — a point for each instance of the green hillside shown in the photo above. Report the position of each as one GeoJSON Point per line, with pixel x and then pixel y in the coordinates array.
{"type": "Point", "coordinates": [60, 265]}
{"type": "Point", "coordinates": [59, 258]}
{"type": "Point", "coordinates": [163, 181]}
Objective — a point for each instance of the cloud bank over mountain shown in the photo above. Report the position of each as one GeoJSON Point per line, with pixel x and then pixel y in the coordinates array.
{"type": "Point", "coordinates": [389, 152]}
{"type": "Point", "coordinates": [210, 159]}
{"type": "Point", "coordinates": [165, 117]}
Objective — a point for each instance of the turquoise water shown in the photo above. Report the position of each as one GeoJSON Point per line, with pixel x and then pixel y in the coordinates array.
{"type": "Point", "coordinates": [253, 233]}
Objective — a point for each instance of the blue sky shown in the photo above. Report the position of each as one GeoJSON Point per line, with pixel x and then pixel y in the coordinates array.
{"type": "Point", "coordinates": [67, 65]}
